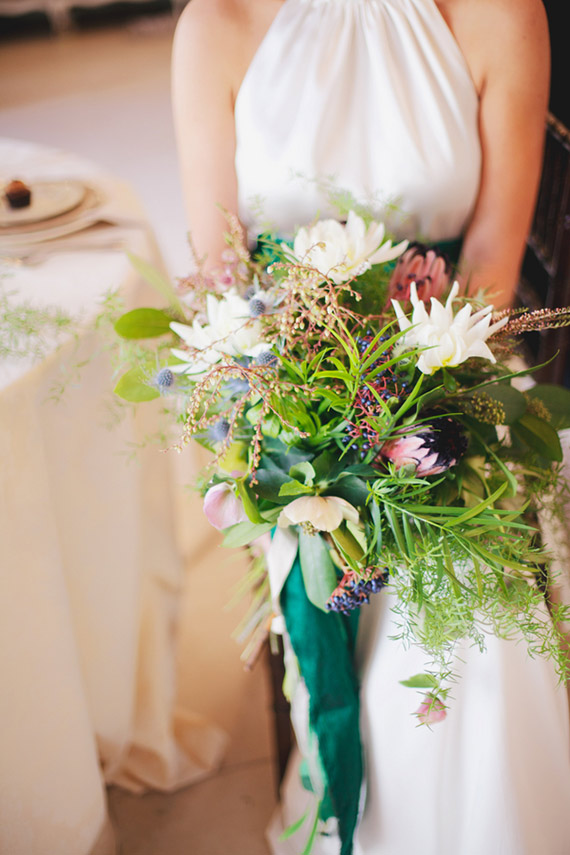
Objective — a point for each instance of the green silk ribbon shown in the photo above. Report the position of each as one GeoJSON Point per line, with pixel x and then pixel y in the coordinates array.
{"type": "Point", "coordinates": [324, 646]}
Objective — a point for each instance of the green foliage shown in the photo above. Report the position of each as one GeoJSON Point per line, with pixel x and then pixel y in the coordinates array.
{"type": "Point", "coordinates": [557, 401]}
{"type": "Point", "coordinates": [143, 323]}
{"type": "Point", "coordinates": [133, 387]}
{"type": "Point", "coordinates": [319, 574]}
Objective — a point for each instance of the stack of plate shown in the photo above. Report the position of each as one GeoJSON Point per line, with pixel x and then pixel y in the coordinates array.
{"type": "Point", "coordinates": [57, 208]}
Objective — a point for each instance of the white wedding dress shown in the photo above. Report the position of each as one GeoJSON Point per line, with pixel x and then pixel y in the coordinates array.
{"type": "Point", "coordinates": [375, 97]}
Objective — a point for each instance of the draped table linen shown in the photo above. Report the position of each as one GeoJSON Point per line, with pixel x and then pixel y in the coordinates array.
{"type": "Point", "coordinates": [90, 568]}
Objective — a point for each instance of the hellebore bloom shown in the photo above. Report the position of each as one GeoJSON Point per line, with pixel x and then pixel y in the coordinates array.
{"type": "Point", "coordinates": [342, 252]}
{"type": "Point", "coordinates": [451, 339]}
{"type": "Point", "coordinates": [230, 330]}
{"type": "Point", "coordinates": [431, 710]}
{"type": "Point", "coordinates": [324, 513]}
{"type": "Point", "coordinates": [432, 449]}
{"type": "Point", "coordinates": [428, 268]}
{"type": "Point", "coordinates": [222, 507]}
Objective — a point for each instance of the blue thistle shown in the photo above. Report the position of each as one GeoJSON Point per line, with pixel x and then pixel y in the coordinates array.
{"type": "Point", "coordinates": [220, 430]}
{"type": "Point", "coordinates": [256, 307]}
{"type": "Point", "coordinates": [267, 357]}
{"type": "Point", "coordinates": [164, 379]}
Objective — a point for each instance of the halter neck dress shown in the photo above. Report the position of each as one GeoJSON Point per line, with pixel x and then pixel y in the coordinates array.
{"type": "Point", "coordinates": [374, 97]}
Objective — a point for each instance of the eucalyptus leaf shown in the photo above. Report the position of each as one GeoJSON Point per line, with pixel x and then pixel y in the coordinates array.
{"type": "Point", "coordinates": [317, 567]}
{"type": "Point", "coordinates": [133, 387]}
{"type": "Point", "coordinates": [143, 323]}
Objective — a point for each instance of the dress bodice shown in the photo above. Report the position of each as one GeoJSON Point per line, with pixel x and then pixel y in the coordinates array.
{"type": "Point", "coordinates": [369, 96]}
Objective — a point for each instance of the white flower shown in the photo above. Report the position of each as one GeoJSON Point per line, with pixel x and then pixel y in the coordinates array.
{"type": "Point", "coordinates": [230, 330]}
{"type": "Point", "coordinates": [451, 339]}
{"type": "Point", "coordinates": [341, 252]}
{"type": "Point", "coordinates": [324, 513]}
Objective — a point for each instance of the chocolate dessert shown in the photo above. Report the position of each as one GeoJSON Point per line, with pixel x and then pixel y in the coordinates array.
{"type": "Point", "coordinates": [18, 194]}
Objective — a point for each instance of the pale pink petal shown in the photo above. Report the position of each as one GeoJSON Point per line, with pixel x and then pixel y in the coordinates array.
{"type": "Point", "coordinates": [222, 507]}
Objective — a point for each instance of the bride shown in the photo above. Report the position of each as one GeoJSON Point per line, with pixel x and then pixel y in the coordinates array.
{"type": "Point", "coordinates": [432, 114]}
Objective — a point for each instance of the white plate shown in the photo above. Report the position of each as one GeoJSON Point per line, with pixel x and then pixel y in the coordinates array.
{"type": "Point", "coordinates": [49, 199]}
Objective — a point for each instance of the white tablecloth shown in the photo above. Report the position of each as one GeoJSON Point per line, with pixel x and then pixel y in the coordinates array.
{"type": "Point", "coordinates": [89, 567]}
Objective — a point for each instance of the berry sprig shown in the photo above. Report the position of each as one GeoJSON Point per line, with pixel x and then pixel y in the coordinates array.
{"type": "Point", "coordinates": [353, 590]}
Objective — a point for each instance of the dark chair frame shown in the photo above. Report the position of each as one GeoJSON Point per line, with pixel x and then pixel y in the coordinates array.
{"type": "Point", "coordinates": [545, 278]}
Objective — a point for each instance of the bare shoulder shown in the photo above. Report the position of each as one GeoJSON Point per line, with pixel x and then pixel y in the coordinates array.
{"type": "Point", "coordinates": [220, 36]}
{"type": "Point", "coordinates": [207, 27]}
{"type": "Point", "coordinates": [500, 36]}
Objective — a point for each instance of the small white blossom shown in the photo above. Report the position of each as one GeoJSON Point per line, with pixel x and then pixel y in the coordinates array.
{"type": "Point", "coordinates": [230, 330]}
{"type": "Point", "coordinates": [324, 513]}
{"type": "Point", "coordinates": [451, 339]}
{"type": "Point", "coordinates": [342, 252]}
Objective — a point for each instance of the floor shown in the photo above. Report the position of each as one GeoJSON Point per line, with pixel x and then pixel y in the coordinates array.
{"type": "Point", "coordinates": [104, 94]}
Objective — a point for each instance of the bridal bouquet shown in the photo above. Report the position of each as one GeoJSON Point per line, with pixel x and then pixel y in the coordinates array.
{"type": "Point", "coordinates": [365, 435]}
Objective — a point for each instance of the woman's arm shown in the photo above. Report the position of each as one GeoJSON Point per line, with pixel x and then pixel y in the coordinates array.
{"type": "Point", "coordinates": [510, 46]}
{"type": "Point", "coordinates": [203, 72]}
{"type": "Point", "coordinates": [214, 43]}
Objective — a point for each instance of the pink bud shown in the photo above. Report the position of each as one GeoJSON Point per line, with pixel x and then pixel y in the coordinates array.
{"type": "Point", "coordinates": [431, 710]}
{"type": "Point", "coordinates": [222, 507]}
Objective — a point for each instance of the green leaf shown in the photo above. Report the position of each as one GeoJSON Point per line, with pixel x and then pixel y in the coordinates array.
{"type": "Point", "coordinates": [158, 282]}
{"type": "Point", "coordinates": [354, 490]}
{"type": "Point", "coordinates": [538, 435]}
{"type": "Point", "coordinates": [294, 488]}
{"type": "Point", "coordinates": [318, 570]}
{"type": "Point", "coordinates": [249, 503]}
{"type": "Point", "coordinates": [311, 838]}
{"type": "Point", "coordinates": [348, 544]}
{"type": "Point", "coordinates": [449, 381]}
{"type": "Point", "coordinates": [268, 483]}
{"type": "Point", "coordinates": [271, 426]}
{"type": "Point", "coordinates": [295, 826]}
{"type": "Point", "coordinates": [420, 681]}
{"type": "Point", "coordinates": [244, 533]}
{"type": "Point", "coordinates": [557, 401]}
{"type": "Point", "coordinates": [475, 511]}
{"type": "Point", "coordinates": [133, 387]}
{"type": "Point", "coordinates": [304, 470]}
{"type": "Point", "coordinates": [143, 323]}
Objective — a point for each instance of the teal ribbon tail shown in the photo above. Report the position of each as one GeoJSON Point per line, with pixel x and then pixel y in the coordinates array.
{"type": "Point", "coordinates": [324, 646]}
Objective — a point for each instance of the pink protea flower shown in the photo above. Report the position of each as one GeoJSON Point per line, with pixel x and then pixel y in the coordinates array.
{"type": "Point", "coordinates": [432, 449]}
{"type": "Point", "coordinates": [222, 507]}
{"type": "Point", "coordinates": [429, 268]}
{"type": "Point", "coordinates": [431, 710]}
